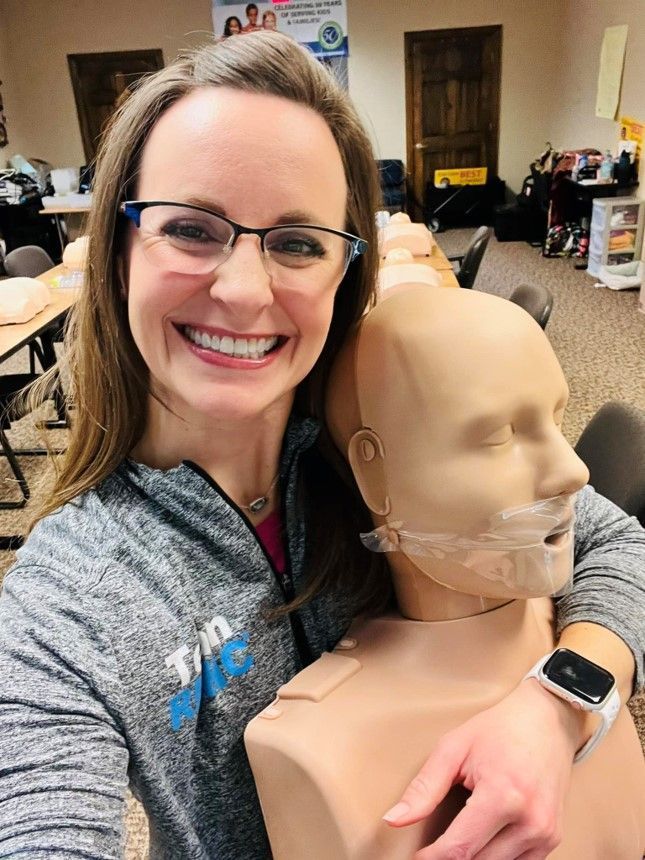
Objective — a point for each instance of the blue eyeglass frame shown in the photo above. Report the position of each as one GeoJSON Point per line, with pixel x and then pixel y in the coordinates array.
{"type": "Point", "coordinates": [132, 209]}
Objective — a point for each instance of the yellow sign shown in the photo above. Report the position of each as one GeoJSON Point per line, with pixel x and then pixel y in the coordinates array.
{"type": "Point", "coordinates": [632, 131]}
{"type": "Point", "coordinates": [460, 176]}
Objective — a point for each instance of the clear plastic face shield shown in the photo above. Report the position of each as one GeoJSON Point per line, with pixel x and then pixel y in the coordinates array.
{"type": "Point", "coordinates": [525, 551]}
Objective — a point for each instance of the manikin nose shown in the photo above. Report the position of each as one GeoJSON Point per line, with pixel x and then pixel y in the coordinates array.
{"type": "Point", "coordinates": [564, 472]}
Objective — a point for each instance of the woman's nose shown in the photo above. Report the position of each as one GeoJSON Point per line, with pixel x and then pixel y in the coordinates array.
{"type": "Point", "coordinates": [562, 470]}
{"type": "Point", "coordinates": [241, 281]}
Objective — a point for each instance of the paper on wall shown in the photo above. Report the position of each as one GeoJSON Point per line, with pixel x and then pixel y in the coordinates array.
{"type": "Point", "coordinates": [610, 73]}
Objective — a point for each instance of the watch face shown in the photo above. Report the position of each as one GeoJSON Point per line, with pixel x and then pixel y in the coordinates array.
{"type": "Point", "coordinates": [579, 676]}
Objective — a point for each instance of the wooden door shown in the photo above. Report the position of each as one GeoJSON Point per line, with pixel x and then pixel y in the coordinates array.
{"type": "Point", "coordinates": [452, 102]}
{"type": "Point", "coordinates": [99, 80]}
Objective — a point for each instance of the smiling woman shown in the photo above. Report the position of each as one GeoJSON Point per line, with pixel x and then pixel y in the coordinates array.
{"type": "Point", "coordinates": [197, 548]}
{"type": "Point", "coordinates": [198, 355]}
{"type": "Point", "coordinates": [229, 289]}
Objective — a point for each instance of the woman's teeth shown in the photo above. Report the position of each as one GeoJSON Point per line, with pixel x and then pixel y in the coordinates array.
{"type": "Point", "coordinates": [240, 347]}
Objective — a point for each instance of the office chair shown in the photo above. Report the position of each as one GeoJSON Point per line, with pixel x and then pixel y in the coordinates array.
{"type": "Point", "coordinates": [470, 260]}
{"type": "Point", "coordinates": [27, 262]}
{"type": "Point", "coordinates": [393, 187]}
{"type": "Point", "coordinates": [536, 300]}
{"type": "Point", "coordinates": [613, 447]}
{"type": "Point", "coordinates": [21, 225]}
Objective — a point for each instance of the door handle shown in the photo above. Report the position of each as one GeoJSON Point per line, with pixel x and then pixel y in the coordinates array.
{"type": "Point", "coordinates": [420, 145]}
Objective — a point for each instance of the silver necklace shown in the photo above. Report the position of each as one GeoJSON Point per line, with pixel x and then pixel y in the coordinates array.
{"type": "Point", "coordinates": [261, 502]}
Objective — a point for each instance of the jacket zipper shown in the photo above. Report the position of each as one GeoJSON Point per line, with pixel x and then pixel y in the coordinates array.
{"type": "Point", "coordinates": [284, 581]}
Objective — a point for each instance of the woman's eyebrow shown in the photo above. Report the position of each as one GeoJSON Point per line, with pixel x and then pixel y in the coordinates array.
{"type": "Point", "coordinates": [294, 216]}
{"type": "Point", "coordinates": [298, 216]}
{"type": "Point", "coordinates": [212, 205]}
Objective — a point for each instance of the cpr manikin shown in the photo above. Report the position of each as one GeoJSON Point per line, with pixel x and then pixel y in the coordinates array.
{"type": "Point", "coordinates": [448, 406]}
{"type": "Point", "coordinates": [399, 271]}
{"type": "Point", "coordinates": [401, 232]}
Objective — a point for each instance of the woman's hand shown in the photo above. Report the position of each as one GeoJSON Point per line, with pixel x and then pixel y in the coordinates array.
{"type": "Point", "coordinates": [516, 759]}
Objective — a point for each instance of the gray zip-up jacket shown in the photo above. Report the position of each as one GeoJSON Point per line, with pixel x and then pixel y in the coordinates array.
{"type": "Point", "coordinates": [133, 647]}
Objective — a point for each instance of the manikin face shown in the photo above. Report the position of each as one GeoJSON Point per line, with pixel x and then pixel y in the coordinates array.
{"type": "Point", "coordinates": [211, 149]}
{"type": "Point", "coordinates": [469, 414]}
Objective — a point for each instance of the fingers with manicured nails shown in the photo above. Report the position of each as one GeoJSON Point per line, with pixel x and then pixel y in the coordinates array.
{"type": "Point", "coordinates": [477, 826]}
{"type": "Point", "coordinates": [429, 787]}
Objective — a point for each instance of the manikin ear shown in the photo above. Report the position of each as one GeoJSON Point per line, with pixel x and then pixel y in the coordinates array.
{"type": "Point", "coordinates": [367, 459]}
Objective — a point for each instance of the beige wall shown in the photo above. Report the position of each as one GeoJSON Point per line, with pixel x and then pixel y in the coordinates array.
{"type": "Point", "coordinates": [42, 32]}
{"type": "Point", "coordinates": [549, 65]}
{"type": "Point", "coordinates": [531, 55]}
{"type": "Point", "coordinates": [578, 126]}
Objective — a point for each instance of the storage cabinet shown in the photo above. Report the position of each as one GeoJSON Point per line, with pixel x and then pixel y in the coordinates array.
{"type": "Point", "coordinates": [616, 234]}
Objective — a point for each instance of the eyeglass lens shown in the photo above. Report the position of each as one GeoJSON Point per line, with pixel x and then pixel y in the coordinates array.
{"type": "Point", "coordinates": [189, 241]}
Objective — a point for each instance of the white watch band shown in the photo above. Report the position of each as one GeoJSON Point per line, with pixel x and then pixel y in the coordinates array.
{"type": "Point", "coordinates": [607, 711]}
{"type": "Point", "coordinates": [608, 714]}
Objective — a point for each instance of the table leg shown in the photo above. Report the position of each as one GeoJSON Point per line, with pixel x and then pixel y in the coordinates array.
{"type": "Point", "coordinates": [60, 232]}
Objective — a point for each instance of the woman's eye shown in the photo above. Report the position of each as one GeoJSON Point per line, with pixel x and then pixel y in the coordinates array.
{"type": "Point", "coordinates": [188, 232]}
{"type": "Point", "coordinates": [296, 246]}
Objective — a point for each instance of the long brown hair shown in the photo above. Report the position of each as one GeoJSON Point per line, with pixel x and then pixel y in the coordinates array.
{"type": "Point", "coordinates": [109, 379]}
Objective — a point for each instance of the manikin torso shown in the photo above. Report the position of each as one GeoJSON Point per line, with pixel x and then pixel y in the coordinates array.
{"type": "Point", "coordinates": [348, 733]}
{"type": "Point", "coordinates": [345, 736]}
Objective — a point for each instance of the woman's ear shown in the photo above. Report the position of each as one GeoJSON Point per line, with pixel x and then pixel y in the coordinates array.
{"type": "Point", "coordinates": [367, 459]}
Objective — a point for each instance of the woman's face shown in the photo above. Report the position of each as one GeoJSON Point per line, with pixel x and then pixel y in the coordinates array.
{"type": "Point", "coordinates": [234, 26]}
{"type": "Point", "coordinates": [211, 148]}
{"type": "Point", "coordinates": [268, 21]}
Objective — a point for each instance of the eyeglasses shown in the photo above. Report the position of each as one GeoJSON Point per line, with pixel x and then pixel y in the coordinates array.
{"type": "Point", "coordinates": [192, 240]}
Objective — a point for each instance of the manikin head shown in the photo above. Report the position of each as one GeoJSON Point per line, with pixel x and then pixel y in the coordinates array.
{"type": "Point", "coordinates": [448, 405]}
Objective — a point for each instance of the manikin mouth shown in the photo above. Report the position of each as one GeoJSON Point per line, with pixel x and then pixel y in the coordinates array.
{"type": "Point", "coordinates": [250, 348]}
{"type": "Point", "coordinates": [558, 536]}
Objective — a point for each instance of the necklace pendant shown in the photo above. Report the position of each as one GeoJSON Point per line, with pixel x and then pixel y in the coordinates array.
{"type": "Point", "coordinates": [257, 504]}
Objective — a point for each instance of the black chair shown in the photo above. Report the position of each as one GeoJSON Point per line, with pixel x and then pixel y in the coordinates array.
{"type": "Point", "coordinates": [536, 300]}
{"type": "Point", "coordinates": [470, 260]}
{"type": "Point", "coordinates": [21, 224]}
{"type": "Point", "coordinates": [613, 447]}
{"type": "Point", "coordinates": [27, 262]}
{"type": "Point", "coordinates": [393, 186]}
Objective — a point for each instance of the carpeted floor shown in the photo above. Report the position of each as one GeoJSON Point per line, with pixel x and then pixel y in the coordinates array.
{"type": "Point", "coordinates": [599, 337]}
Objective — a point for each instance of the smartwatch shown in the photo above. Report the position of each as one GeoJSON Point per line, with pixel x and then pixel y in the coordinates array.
{"type": "Point", "coordinates": [583, 684]}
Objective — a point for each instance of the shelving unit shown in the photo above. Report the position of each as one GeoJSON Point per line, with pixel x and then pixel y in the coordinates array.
{"type": "Point", "coordinates": [616, 232]}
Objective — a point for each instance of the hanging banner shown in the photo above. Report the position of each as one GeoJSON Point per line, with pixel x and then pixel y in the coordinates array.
{"type": "Point", "coordinates": [460, 176]}
{"type": "Point", "coordinates": [320, 25]}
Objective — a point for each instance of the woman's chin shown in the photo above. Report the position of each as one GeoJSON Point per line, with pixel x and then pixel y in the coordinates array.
{"type": "Point", "coordinates": [236, 409]}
